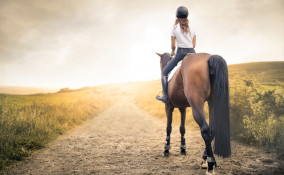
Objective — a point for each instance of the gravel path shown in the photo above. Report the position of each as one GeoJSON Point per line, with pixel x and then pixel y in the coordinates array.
{"type": "Point", "coordinates": [126, 140]}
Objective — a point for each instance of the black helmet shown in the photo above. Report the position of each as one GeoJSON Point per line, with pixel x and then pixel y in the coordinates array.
{"type": "Point", "coordinates": [182, 12]}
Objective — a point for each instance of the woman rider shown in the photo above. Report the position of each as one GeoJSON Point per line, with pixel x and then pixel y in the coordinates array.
{"type": "Point", "coordinates": [185, 37]}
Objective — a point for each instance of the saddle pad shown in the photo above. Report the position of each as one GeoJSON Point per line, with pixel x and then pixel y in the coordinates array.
{"type": "Point", "coordinates": [171, 74]}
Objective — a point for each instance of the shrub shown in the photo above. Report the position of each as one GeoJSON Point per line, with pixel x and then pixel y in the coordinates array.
{"type": "Point", "coordinates": [257, 113]}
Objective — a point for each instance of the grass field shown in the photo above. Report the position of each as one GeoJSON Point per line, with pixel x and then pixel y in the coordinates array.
{"type": "Point", "coordinates": [267, 73]}
{"type": "Point", "coordinates": [28, 122]}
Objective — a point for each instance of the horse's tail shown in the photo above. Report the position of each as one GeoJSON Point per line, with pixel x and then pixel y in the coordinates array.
{"type": "Point", "coordinates": [220, 93]}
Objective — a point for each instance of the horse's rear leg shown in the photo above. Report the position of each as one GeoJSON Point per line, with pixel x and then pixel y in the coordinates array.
{"type": "Point", "coordinates": [212, 133]}
{"type": "Point", "coordinates": [169, 112]}
{"type": "Point", "coordinates": [182, 131]}
{"type": "Point", "coordinates": [197, 111]}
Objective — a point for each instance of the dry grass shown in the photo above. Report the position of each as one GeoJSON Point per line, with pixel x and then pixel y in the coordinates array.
{"type": "Point", "coordinates": [29, 122]}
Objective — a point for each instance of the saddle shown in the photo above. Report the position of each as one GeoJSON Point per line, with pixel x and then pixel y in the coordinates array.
{"type": "Point", "coordinates": [171, 74]}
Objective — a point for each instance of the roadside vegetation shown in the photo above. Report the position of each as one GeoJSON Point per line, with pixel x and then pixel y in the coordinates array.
{"type": "Point", "coordinates": [257, 113]}
{"type": "Point", "coordinates": [29, 122]}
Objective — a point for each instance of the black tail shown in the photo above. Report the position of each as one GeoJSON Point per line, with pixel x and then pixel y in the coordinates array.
{"type": "Point", "coordinates": [219, 84]}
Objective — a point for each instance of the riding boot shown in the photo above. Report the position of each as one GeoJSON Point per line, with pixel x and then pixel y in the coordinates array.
{"type": "Point", "coordinates": [164, 98]}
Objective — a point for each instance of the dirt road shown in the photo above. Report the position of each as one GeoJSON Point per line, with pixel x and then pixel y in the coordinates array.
{"type": "Point", "coordinates": [126, 140]}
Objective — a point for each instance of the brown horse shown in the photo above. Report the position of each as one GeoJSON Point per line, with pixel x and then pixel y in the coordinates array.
{"type": "Point", "coordinates": [201, 77]}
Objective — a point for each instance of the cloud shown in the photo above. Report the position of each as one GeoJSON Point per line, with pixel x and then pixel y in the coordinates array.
{"type": "Point", "coordinates": [76, 43]}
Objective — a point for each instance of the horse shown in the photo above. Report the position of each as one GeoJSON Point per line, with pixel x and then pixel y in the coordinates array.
{"type": "Point", "coordinates": [201, 77]}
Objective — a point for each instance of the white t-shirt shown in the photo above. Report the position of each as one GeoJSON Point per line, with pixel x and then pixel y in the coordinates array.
{"type": "Point", "coordinates": [183, 40]}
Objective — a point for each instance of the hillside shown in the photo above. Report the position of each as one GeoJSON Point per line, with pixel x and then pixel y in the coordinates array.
{"type": "Point", "coordinates": [268, 73]}
{"type": "Point", "coordinates": [25, 90]}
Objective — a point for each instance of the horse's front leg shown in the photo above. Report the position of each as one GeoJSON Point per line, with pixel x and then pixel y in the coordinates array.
{"type": "Point", "coordinates": [169, 112]}
{"type": "Point", "coordinates": [182, 131]}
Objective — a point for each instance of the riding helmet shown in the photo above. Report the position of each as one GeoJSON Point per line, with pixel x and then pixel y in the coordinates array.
{"type": "Point", "coordinates": [182, 12]}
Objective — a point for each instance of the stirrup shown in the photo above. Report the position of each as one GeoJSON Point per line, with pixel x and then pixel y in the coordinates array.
{"type": "Point", "coordinates": [163, 98]}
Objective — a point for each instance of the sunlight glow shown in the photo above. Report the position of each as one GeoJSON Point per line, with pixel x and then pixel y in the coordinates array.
{"type": "Point", "coordinates": [80, 45]}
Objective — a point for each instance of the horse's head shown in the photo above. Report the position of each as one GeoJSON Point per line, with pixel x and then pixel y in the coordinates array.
{"type": "Point", "coordinates": [164, 59]}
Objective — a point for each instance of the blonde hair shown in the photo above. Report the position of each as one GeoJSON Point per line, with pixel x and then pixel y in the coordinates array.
{"type": "Point", "coordinates": [183, 22]}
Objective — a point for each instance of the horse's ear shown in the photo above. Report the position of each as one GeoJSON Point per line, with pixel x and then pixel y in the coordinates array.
{"type": "Point", "coordinates": [159, 54]}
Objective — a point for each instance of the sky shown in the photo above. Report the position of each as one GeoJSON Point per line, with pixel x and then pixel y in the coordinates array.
{"type": "Point", "coordinates": [77, 43]}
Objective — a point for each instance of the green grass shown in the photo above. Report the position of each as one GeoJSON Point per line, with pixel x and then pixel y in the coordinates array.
{"type": "Point", "coordinates": [267, 73]}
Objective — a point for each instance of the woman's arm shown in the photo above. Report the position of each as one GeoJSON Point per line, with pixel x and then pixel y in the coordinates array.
{"type": "Point", "coordinates": [173, 39]}
{"type": "Point", "coordinates": [194, 41]}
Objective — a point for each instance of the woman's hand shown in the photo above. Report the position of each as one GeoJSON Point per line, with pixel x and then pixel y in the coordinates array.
{"type": "Point", "coordinates": [194, 41]}
{"type": "Point", "coordinates": [173, 44]}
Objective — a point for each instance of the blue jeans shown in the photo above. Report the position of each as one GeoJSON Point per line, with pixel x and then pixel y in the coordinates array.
{"type": "Point", "coordinates": [181, 53]}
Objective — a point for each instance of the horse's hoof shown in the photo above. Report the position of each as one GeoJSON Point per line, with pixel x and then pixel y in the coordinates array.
{"type": "Point", "coordinates": [210, 172]}
{"type": "Point", "coordinates": [211, 163]}
{"type": "Point", "coordinates": [183, 152]}
{"type": "Point", "coordinates": [204, 164]}
{"type": "Point", "coordinates": [166, 153]}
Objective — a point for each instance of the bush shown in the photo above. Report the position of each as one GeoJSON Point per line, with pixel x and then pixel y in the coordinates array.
{"type": "Point", "coordinates": [257, 113]}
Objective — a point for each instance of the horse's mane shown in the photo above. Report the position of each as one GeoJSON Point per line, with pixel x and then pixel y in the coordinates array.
{"type": "Point", "coordinates": [166, 57]}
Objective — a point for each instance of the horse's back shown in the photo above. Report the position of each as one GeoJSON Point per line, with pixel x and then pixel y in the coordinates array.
{"type": "Point", "coordinates": [191, 82]}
